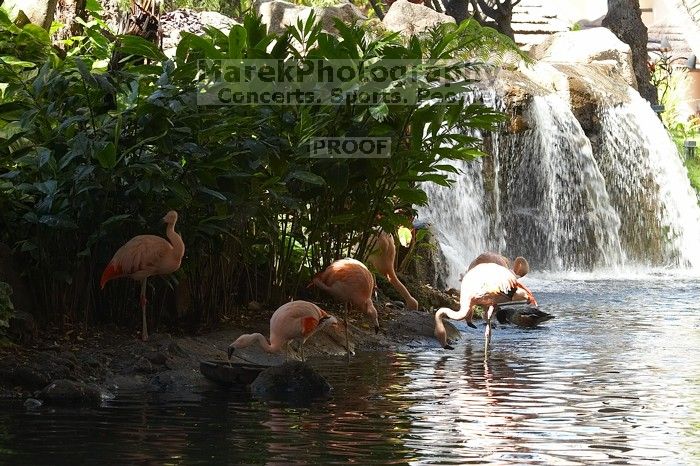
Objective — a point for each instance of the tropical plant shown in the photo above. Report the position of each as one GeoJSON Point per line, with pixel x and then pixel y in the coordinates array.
{"type": "Point", "coordinates": [91, 156]}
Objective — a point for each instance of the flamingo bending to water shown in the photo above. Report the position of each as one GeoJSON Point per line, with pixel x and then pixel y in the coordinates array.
{"type": "Point", "coordinates": [145, 256]}
{"type": "Point", "coordinates": [351, 282]}
{"type": "Point", "coordinates": [382, 257]}
{"type": "Point", "coordinates": [291, 321]}
{"type": "Point", "coordinates": [486, 284]}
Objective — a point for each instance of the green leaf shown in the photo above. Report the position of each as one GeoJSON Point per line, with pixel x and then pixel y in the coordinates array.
{"type": "Point", "coordinates": [93, 6]}
{"type": "Point", "coordinates": [308, 177]}
{"type": "Point", "coordinates": [14, 61]}
{"type": "Point", "coordinates": [405, 236]}
{"type": "Point", "coordinates": [212, 193]}
{"type": "Point", "coordinates": [237, 41]}
{"type": "Point", "coordinates": [107, 156]}
{"type": "Point", "coordinates": [380, 112]}
{"type": "Point", "coordinates": [135, 45]}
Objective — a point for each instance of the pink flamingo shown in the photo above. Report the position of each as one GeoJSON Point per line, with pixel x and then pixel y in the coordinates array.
{"type": "Point", "coordinates": [351, 282]}
{"type": "Point", "coordinates": [144, 256]}
{"type": "Point", "coordinates": [520, 265]}
{"type": "Point", "coordinates": [382, 257]}
{"type": "Point", "coordinates": [292, 321]}
{"type": "Point", "coordinates": [486, 285]}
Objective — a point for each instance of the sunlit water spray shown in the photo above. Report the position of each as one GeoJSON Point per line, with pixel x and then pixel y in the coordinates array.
{"type": "Point", "coordinates": [649, 186]}
{"type": "Point", "coordinates": [546, 193]}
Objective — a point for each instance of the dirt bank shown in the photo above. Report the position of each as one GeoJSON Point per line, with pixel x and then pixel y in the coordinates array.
{"type": "Point", "coordinates": [112, 360]}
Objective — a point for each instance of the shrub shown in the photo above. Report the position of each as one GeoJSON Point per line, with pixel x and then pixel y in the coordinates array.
{"type": "Point", "coordinates": [90, 157]}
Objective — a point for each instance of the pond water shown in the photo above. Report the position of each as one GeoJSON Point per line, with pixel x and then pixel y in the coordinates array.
{"type": "Point", "coordinates": [614, 379]}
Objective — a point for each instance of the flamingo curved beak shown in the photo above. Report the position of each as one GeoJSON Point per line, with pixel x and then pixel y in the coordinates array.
{"type": "Point", "coordinates": [230, 351]}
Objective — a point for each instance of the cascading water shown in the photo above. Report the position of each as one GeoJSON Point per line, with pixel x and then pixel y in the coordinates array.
{"type": "Point", "coordinates": [557, 211]}
{"type": "Point", "coordinates": [546, 193]}
{"type": "Point", "coordinates": [457, 216]}
{"type": "Point", "coordinates": [649, 187]}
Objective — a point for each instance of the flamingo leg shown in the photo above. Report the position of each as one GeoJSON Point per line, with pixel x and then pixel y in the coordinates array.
{"type": "Point", "coordinates": [303, 359]}
{"type": "Point", "coordinates": [347, 339]}
{"type": "Point", "coordinates": [487, 334]}
{"type": "Point", "coordinates": [144, 330]}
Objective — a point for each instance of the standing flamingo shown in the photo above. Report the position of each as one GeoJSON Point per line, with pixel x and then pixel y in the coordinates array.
{"type": "Point", "coordinates": [291, 321]}
{"type": "Point", "coordinates": [487, 285]}
{"type": "Point", "coordinates": [144, 256]}
{"type": "Point", "coordinates": [382, 258]}
{"type": "Point", "coordinates": [351, 282]}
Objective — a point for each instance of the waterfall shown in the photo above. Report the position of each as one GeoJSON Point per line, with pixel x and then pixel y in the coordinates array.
{"type": "Point", "coordinates": [549, 194]}
{"type": "Point", "coordinates": [649, 186]}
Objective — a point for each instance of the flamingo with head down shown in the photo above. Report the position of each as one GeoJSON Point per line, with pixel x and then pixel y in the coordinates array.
{"type": "Point", "coordinates": [487, 285]}
{"type": "Point", "coordinates": [350, 282]}
{"type": "Point", "coordinates": [382, 257]}
{"type": "Point", "coordinates": [296, 320]}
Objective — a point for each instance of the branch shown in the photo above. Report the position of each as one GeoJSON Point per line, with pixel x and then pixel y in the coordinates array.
{"type": "Point", "coordinates": [378, 11]}
{"type": "Point", "coordinates": [487, 9]}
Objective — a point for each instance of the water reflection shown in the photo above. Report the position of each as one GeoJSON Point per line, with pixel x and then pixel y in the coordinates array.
{"type": "Point", "coordinates": [613, 379]}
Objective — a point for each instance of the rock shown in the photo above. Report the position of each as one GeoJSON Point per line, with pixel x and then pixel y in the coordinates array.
{"type": "Point", "coordinates": [39, 12]}
{"type": "Point", "coordinates": [67, 392]}
{"type": "Point", "coordinates": [162, 383]}
{"type": "Point", "coordinates": [156, 357]}
{"type": "Point", "coordinates": [90, 360]}
{"type": "Point", "coordinates": [518, 124]}
{"type": "Point", "coordinates": [184, 19]}
{"type": "Point", "coordinates": [411, 18]}
{"type": "Point", "coordinates": [278, 14]}
{"type": "Point", "coordinates": [28, 377]}
{"type": "Point", "coordinates": [596, 45]}
{"type": "Point", "coordinates": [174, 349]}
{"type": "Point", "coordinates": [32, 403]}
{"type": "Point", "coordinates": [255, 306]}
{"type": "Point", "coordinates": [295, 381]}
{"type": "Point", "coordinates": [624, 19]}
{"type": "Point", "coordinates": [142, 366]}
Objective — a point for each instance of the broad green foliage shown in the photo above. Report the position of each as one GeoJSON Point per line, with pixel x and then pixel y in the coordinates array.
{"type": "Point", "coordinates": [88, 158]}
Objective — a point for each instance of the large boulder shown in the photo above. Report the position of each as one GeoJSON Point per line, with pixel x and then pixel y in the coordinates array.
{"type": "Point", "coordinates": [292, 381]}
{"type": "Point", "coordinates": [39, 12]}
{"type": "Point", "coordinates": [184, 19]}
{"type": "Point", "coordinates": [68, 392]}
{"type": "Point", "coordinates": [278, 14]}
{"type": "Point", "coordinates": [596, 45]}
{"type": "Point", "coordinates": [410, 18]}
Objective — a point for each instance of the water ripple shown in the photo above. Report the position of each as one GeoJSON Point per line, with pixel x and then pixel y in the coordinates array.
{"type": "Point", "coordinates": [614, 379]}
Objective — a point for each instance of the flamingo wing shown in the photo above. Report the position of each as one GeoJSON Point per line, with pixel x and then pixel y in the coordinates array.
{"type": "Point", "coordinates": [138, 258]}
{"type": "Point", "coordinates": [489, 280]}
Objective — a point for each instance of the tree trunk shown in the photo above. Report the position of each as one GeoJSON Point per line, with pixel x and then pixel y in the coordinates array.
{"type": "Point", "coordinates": [458, 9]}
{"type": "Point", "coordinates": [66, 12]}
{"type": "Point", "coordinates": [624, 19]}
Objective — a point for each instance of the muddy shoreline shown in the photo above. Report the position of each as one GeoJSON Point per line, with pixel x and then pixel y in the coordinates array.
{"type": "Point", "coordinates": [103, 361]}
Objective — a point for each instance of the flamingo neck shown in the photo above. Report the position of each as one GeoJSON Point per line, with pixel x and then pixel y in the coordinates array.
{"type": "Point", "coordinates": [398, 286]}
{"type": "Point", "coordinates": [252, 338]}
{"type": "Point", "coordinates": [440, 332]}
{"type": "Point", "coordinates": [175, 240]}
{"type": "Point", "coordinates": [372, 312]}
